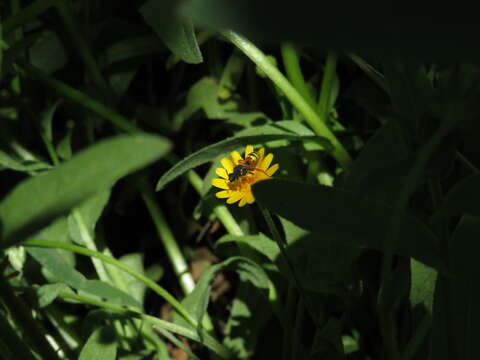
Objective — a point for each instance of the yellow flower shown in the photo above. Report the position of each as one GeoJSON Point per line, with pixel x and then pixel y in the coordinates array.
{"type": "Point", "coordinates": [236, 181]}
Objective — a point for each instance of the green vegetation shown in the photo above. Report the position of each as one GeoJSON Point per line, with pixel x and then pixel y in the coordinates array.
{"type": "Point", "coordinates": [116, 116]}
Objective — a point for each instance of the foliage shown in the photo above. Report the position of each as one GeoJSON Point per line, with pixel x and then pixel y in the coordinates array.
{"type": "Point", "coordinates": [114, 119]}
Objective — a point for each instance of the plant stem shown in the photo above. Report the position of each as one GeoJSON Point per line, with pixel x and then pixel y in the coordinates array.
{"type": "Point", "coordinates": [291, 63]}
{"type": "Point", "coordinates": [79, 97]}
{"type": "Point", "coordinates": [327, 85]}
{"type": "Point", "coordinates": [140, 277]}
{"type": "Point", "coordinates": [172, 249]}
{"type": "Point", "coordinates": [371, 72]}
{"type": "Point", "coordinates": [24, 320]}
{"type": "Point", "coordinates": [174, 328]}
{"type": "Point", "coordinates": [297, 100]}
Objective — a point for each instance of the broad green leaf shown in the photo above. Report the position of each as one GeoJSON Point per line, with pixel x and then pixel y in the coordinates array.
{"type": "Point", "coordinates": [253, 136]}
{"type": "Point", "coordinates": [35, 202]}
{"type": "Point", "coordinates": [101, 345]}
{"type": "Point", "coordinates": [48, 293]}
{"type": "Point", "coordinates": [261, 243]}
{"type": "Point", "coordinates": [48, 52]}
{"type": "Point", "coordinates": [177, 33]}
{"type": "Point", "coordinates": [423, 285]}
{"type": "Point", "coordinates": [61, 271]}
{"type": "Point", "coordinates": [247, 319]}
{"type": "Point", "coordinates": [197, 301]}
{"type": "Point", "coordinates": [455, 310]}
{"type": "Point", "coordinates": [462, 198]}
{"type": "Point", "coordinates": [339, 215]}
{"type": "Point", "coordinates": [322, 263]}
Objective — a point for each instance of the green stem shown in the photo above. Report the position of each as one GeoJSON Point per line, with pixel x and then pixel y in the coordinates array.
{"type": "Point", "coordinates": [291, 62]}
{"type": "Point", "coordinates": [297, 100]}
{"type": "Point", "coordinates": [174, 253]}
{"type": "Point", "coordinates": [327, 85]}
{"type": "Point", "coordinates": [221, 211]}
{"type": "Point", "coordinates": [26, 14]}
{"type": "Point", "coordinates": [22, 316]}
{"type": "Point", "coordinates": [155, 322]}
{"type": "Point", "coordinates": [148, 282]}
{"type": "Point", "coordinates": [371, 72]}
{"type": "Point", "coordinates": [79, 97]}
{"type": "Point", "coordinates": [65, 12]}
{"type": "Point", "coordinates": [394, 224]}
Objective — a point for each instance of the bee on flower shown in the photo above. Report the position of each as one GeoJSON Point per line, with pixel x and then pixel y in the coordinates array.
{"type": "Point", "coordinates": [238, 174]}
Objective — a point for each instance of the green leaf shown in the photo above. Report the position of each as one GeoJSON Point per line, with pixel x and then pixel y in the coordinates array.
{"type": "Point", "coordinates": [423, 285]}
{"type": "Point", "coordinates": [61, 271]}
{"type": "Point", "coordinates": [177, 33]}
{"type": "Point", "coordinates": [455, 306]}
{"type": "Point", "coordinates": [247, 318]}
{"type": "Point", "coordinates": [260, 242]}
{"type": "Point", "coordinates": [10, 162]}
{"type": "Point", "coordinates": [197, 301]}
{"type": "Point", "coordinates": [89, 211]}
{"type": "Point", "coordinates": [327, 343]}
{"type": "Point", "coordinates": [35, 202]}
{"type": "Point", "coordinates": [46, 119]}
{"type": "Point", "coordinates": [462, 198]}
{"type": "Point", "coordinates": [101, 345]}
{"type": "Point", "coordinates": [48, 52]}
{"type": "Point", "coordinates": [48, 293]}
{"type": "Point", "coordinates": [253, 136]}
{"type": "Point", "coordinates": [343, 216]}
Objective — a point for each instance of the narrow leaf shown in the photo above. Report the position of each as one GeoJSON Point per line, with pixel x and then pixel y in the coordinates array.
{"type": "Point", "coordinates": [177, 33]}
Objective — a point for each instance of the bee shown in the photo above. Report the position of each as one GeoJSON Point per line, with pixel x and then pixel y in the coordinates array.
{"type": "Point", "coordinates": [244, 167]}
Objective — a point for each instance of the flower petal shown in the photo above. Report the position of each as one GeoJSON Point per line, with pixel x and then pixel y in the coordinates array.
{"type": "Point", "coordinates": [248, 150]}
{"type": "Point", "coordinates": [235, 157]}
{"type": "Point", "coordinates": [243, 202]}
{"type": "Point", "coordinates": [227, 164]}
{"type": "Point", "coordinates": [261, 154]}
{"type": "Point", "coordinates": [266, 162]}
{"type": "Point", "coordinates": [222, 173]}
{"type": "Point", "coordinates": [223, 194]}
{"type": "Point", "coordinates": [250, 198]}
{"type": "Point", "coordinates": [272, 170]}
{"type": "Point", "coordinates": [220, 183]}
{"type": "Point", "coordinates": [235, 196]}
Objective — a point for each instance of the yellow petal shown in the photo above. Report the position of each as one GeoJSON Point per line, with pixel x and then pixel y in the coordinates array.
{"type": "Point", "coordinates": [222, 173]}
{"type": "Point", "coordinates": [266, 162]}
{"type": "Point", "coordinates": [223, 194]}
{"type": "Point", "coordinates": [227, 164]}
{"type": "Point", "coordinates": [250, 198]}
{"type": "Point", "coordinates": [234, 197]}
{"type": "Point", "coordinates": [220, 183]}
{"type": "Point", "coordinates": [261, 154]}
{"type": "Point", "coordinates": [248, 150]}
{"type": "Point", "coordinates": [235, 157]}
{"type": "Point", "coordinates": [272, 169]}
{"type": "Point", "coordinates": [243, 202]}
